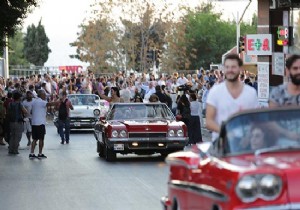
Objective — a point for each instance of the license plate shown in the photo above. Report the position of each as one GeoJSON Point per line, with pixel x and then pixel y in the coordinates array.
{"type": "Point", "coordinates": [118, 147]}
{"type": "Point", "coordinates": [77, 124]}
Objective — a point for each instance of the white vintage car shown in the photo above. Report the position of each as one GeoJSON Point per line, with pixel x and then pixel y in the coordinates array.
{"type": "Point", "coordinates": [88, 108]}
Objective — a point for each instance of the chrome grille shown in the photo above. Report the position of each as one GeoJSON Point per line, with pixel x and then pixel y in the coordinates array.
{"type": "Point", "coordinates": [147, 135]}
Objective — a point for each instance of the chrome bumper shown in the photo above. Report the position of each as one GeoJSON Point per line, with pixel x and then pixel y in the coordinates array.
{"type": "Point", "coordinates": [289, 206]}
{"type": "Point", "coordinates": [166, 139]}
{"type": "Point", "coordinates": [155, 144]}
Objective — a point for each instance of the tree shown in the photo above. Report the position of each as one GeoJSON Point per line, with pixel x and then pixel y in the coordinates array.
{"type": "Point", "coordinates": [16, 46]}
{"type": "Point", "coordinates": [210, 35]}
{"type": "Point", "coordinates": [136, 30]}
{"type": "Point", "coordinates": [36, 48]}
{"type": "Point", "coordinates": [12, 13]}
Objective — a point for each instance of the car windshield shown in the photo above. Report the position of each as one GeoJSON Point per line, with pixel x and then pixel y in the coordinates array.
{"type": "Point", "coordinates": [85, 100]}
{"type": "Point", "coordinates": [265, 131]}
{"type": "Point", "coordinates": [140, 111]}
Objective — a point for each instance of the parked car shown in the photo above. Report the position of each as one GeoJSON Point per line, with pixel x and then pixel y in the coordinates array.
{"type": "Point", "coordinates": [253, 165]}
{"type": "Point", "coordinates": [140, 128]}
{"type": "Point", "coordinates": [88, 108]}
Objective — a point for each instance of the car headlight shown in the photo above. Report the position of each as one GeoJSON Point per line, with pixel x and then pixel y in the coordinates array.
{"type": "Point", "coordinates": [247, 189]}
{"type": "Point", "coordinates": [171, 133]}
{"type": "Point", "coordinates": [96, 112]}
{"type": "Point", "coordinates": [270, 186]}
{"type": "Point", "coordinates": [180, 133]}
{"type": "Point", "coordinates": [123, 134]}
{"type": "Point", "coordinates": [114, 134]}
{"type": "Point", "coordinates": [264, 186]}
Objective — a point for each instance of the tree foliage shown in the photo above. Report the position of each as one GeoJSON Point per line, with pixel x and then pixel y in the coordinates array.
{"type": "Point", "coordinates": [36, 48]}
{"type": "Point", "coordinates": [191, 40]}
{"type": "Point", "coordinates": [16, 49]}
{"type": "Point", "coordinates": [126, 39]}
{"type": "Point", "coordinates": [12, 13]}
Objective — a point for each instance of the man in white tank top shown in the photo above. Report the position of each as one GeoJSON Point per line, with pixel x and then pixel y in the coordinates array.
{"type": "Point", "coordinates": [228, 97]}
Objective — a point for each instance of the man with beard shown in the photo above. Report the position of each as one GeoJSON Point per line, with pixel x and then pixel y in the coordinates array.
{"type": "Point", "coordinates": [288, 93]}
{"type": "Point", "coordinates": [228, 97]}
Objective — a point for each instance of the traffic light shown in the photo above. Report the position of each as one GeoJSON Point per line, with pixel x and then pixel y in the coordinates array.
{"type": "Point", "coordinates": [150, 55]}
{"type": "Point", "coordinates": [241, 44]}
{"type": "Point", "coordinates": [158, 57]}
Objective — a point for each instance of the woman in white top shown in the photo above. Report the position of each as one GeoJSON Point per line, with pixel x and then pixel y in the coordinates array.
{"type": "Point", "coordinates": [195, 134]}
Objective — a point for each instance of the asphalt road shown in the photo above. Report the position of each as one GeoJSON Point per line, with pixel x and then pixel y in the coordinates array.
{"type": "Point", "coordinates": [74, 177]}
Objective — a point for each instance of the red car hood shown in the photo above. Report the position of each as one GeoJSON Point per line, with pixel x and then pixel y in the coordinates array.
{"type": "Point", "coordinates": [287, 163]}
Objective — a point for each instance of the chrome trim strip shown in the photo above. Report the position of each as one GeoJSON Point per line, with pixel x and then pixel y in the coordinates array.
{"type": "Point", "coordinates": [289, 206]}
{"type": "Point", "coordinates": [177, 161]}
{"type": "Point", "coordinates": [202, 189]}
{"type": "Point", "coordinates": [149, 139]}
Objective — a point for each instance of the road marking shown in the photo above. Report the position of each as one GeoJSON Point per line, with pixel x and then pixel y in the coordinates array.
{"type": "Point", "coordinates": [144, 183]}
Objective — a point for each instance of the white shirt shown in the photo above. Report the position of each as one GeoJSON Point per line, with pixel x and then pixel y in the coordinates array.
{"type": "Point", "coordinates": [161, 82]}
{"type": "Point", "coordinates": [195, 108]}
{"type": "Point", "coordinates": [182, 81]}
{"type": "Point", "coordinates": [28, 107]}
{"type": "Point", "coordinates": [39, 111]}
{"type": "Point", "coordinates": [49, 87]}
{"type": "Point", "coordinates": [225, 105]}
{"type": "Point", "coordinates": [149, 93]}
{"type": "Point", "coordinates": [125, 94]}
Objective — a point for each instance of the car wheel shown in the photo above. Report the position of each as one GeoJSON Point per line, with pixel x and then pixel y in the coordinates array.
{"type": "Point", "coordinates": [110, 155]}
{"type": "Point", "coordinates": [100, 149]}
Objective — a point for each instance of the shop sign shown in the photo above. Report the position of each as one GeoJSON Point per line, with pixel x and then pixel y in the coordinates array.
{"type": "Point", "coordinates": [259, 44]}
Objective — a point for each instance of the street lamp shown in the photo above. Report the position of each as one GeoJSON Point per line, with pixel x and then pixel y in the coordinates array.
{"type": "Point", "coordinates": [238, 23]}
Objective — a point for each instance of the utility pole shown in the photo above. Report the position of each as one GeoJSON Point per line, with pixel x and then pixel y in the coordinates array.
{"type": "Point", "coordinates": [238, 32]}
{"type": "Point", "coordinates": [6, 61]}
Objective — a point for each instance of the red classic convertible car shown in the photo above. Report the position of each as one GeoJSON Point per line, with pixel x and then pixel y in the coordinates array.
{"type": "Point", "coordinates": [253, 165]}
{"type": "Point", "coordinates": [140, 128]}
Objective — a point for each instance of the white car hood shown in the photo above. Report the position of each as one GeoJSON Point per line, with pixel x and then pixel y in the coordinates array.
{"type": "Point", "coordinates": [83, 111]}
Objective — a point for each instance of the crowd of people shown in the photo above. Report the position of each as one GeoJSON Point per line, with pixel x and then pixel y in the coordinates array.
{"type": "Point", "coordinates": [185, 95]}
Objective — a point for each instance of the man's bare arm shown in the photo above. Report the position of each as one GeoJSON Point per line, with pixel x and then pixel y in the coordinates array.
{"type": "Point", "coordinates": [211, 124]}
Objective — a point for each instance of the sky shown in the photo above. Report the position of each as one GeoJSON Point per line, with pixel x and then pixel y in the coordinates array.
{"type": "Point", "coordinates": [61, 19]}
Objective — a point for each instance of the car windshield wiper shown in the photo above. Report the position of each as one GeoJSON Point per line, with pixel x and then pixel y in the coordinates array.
{"type": "Point", "coordinates": [275, 149]}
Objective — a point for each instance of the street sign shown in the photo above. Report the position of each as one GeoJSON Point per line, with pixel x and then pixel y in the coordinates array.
{"type": "Point", "coordinates": [249, 59]}
{"type": "Point", "coordinates": [259, 44]}
{"type": "Point", "coordinates": [263, 80]}
{"type": "Point", "coordinates": [278, 64]}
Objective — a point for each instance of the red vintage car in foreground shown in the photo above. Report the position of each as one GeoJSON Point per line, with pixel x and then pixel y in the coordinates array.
{"type": "Point", "coordinates": [253, 165]}
{"type": "Point", "coordinates": [140, 128]}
